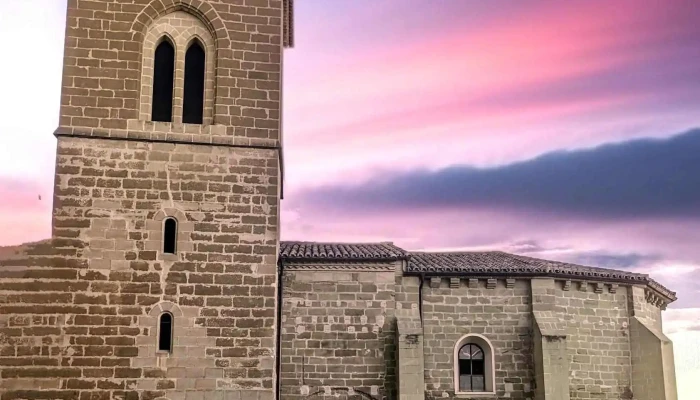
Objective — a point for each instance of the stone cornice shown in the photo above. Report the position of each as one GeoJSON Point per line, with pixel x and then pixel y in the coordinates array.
{"type": "Point", "coordinates": [499, 264]}
{"type": "Point", "coordinates": [343, 266]}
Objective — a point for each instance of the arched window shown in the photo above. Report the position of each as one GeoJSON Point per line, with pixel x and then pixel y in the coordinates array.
{"type": "Point", "coordinates": [474, 365]}
{"type": "Point", "coordinates": [163, 78]}
{"type": "Point", "coordinates": [169, 236]}
{"type": "Point", "coordinates": [178, 75]}
{"type": "Point", "coordinates": [165, 332]}
{"type": "Point", "coordinates": [193, 106]}
{"type": "Point", "coordinates": [471, 369]}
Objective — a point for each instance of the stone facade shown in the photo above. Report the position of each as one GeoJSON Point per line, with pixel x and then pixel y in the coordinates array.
{"type": "Point", "coordinates": [79, 314]}
{"type": "Point", "coordinates": [455, 307]}
{"type": "Point", "coordinates": [550, 338]}
{"type": "Point", "coordinates": [337, 333]}
{"type": "Point", "coordinates": [83, 315]}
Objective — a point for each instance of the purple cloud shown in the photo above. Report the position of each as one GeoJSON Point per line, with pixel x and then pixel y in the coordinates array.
{"type": "Point", "coordinates": [634, 179]}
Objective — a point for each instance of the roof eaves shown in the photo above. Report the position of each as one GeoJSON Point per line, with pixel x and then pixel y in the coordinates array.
{"type": "Point", "coordinates": [533, 267]}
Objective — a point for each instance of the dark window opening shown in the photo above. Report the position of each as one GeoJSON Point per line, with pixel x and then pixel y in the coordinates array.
{"type": "Point", "coordinates": [163, 77]}
{"type": "Point", "coordinates": [165, 334]}
{"type": "Point", "coordinates": [472, 369]}
{"type": "Point", "coordinates": [169, 236]}
{"type": "Point", "coordinates": [193, 107]}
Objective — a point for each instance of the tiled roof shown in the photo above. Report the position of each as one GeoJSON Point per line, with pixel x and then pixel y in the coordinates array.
{"type": "Point", "coordinates": [314, 251]}
{"type": "Point", "coordinates": [500, 263]}
{"type": "Point", "coordinates": [487, 263]}
{"type": "Point", "coordinates": [465, 262]}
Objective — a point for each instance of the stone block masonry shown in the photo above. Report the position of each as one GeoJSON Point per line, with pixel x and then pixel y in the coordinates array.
{"type": "Point", "coordinates": [598, 340]}
{"type": "Point", "coordinates": [338, 334]}
{"type": "Point", "coordinates": [79, 318]}
{"type": "Point", "coordinates": [500, 313]}
{"type": "Point", "coordinates": [105, 89]}
{"type": "Point", "coordinates": [80, 313]}
{"type": "Point", "coordinates": [410, 367]}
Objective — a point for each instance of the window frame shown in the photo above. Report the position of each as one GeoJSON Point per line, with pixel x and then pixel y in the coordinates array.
{"type": "Point", "coordinates": [159, 337]}
{"type": "Point", "coordinates": [472, 362]}
{"type": "Point", "coordinates": [489, 365]}
{"type": "Point", "coordinates": [182, 28]}
{"type": "Point", "coordinates": [164, 238]}
{"type": "Point", "coordinates": [203, 82]}
{"type": "Point", "coordinates": [164, 39]}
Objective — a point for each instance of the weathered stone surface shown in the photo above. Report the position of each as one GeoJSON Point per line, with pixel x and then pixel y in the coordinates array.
{"type": "Point", "coordinates": [338, 334]}
{"type": "Point", "coordinates": [598, 341]}
{"type": "Point", "coordinates": [500, 314]}
{"type": "Point", "coordinates": [79, 314]}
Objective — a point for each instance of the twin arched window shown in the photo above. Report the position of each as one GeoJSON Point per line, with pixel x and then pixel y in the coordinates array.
{"type": "Point", "coordinates": [178, 70]}
{"type": "Point", "coordinates": [164, 78]}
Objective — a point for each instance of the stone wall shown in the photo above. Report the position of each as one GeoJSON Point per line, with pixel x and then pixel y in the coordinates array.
{"type": "Point", "coordinates": [597, 323]}
{"type": "Point", "coordinates": [410, 367]}
{"type": "Point", "coordinates": [101, 90]}
{"type": "Point", "coordinates": [338, 334]}
{"type": "Point", "coordinates": [79, 314]}
{"type": "Point", "coordinates": [80, 318]}
{"type": "Point", "coordinates": [653, 366]}
{"type": "Point", "coordinates": [496, 309]}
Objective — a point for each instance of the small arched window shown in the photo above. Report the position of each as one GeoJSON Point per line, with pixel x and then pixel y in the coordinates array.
{"type": "Point", "coordinates": [165, 332]}
{"type": "Point", "coordinates": [169, 236]}
{"type": "Point", "coordinates": [163, 78]}
{"type": "Point", "coordinates": [193, 106]}
{"type": "Point", "coordinates": [474, 365]}
{"type": "Point", "coordinates": [472, 371]}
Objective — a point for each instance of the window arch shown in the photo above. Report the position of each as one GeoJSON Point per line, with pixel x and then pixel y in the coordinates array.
{"type": "Point", "coordinates": [170, 235]}
{"type": "Point", "coordinates": [472, 371]}
{"type": "Point", "coordinates": [474, 365]}
{"type": "Point", "coordinates": [163, 81]}
{"type": "Point", "coordinates": [165, 332]}
{"type": "Point", "coordinates": [193, 101]}
{"type": "Point", "coordinates": [193, 89]}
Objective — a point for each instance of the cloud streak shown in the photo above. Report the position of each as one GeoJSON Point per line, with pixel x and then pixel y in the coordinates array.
{"type": "Point", "coordinates": [634, 179]}
{"type": "Point", "coordinates": [481, 82]}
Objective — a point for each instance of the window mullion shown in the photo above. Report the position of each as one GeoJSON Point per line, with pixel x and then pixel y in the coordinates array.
{"type": "Point", "coordinates": [179, 81]}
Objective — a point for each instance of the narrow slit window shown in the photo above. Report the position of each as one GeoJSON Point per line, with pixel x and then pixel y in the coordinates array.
{"type": "Point", "coordinates": [472, 371]}
{"type": "Point", "coordinates": [193, 107]}
{"type": "Point", "coordinates": [163, 78]}
{"type": "Point", "coordinates": [169, 236]}
{"type": "Point", "coordinates": [165, 333]}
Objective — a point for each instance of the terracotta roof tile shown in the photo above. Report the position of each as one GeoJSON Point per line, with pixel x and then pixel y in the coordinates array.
{"type": "Point", "coordinates": [313, 251]}
{"type": "Point", "coordinates": [465, 262]}
{"type": "Point", "coordinates": [500, 263]}
{"type": "Point", "coordinates": [489, 263]}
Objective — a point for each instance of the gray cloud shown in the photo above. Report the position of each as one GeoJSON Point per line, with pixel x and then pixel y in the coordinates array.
{"type": "Point", "coordinates": [627, 180]}
{"type": "Point", "coordinates": [600, 258]}
{"type": "Point", "coordinates": [613, 261]}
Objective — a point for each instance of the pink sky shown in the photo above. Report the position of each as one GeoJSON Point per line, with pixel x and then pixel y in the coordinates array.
{"type": "Point", "coordinates": [375, 89]}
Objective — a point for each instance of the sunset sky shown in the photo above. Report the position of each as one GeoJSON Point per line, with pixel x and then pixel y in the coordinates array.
{"type": "Point", "coordinates": [564, 130]}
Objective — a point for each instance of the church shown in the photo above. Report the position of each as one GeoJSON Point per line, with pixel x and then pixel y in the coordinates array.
{"type": "Point", "coordinates": [165, 276]}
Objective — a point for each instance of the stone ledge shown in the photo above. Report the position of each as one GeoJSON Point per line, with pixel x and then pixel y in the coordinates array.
{"type": "Point", "coordinates": [475, 395]}
{"type": "Point", "coordinates": [212, 135]}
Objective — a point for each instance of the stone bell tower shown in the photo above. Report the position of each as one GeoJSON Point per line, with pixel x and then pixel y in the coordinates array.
{"type": "Point", "coordinates": [162, 277]}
